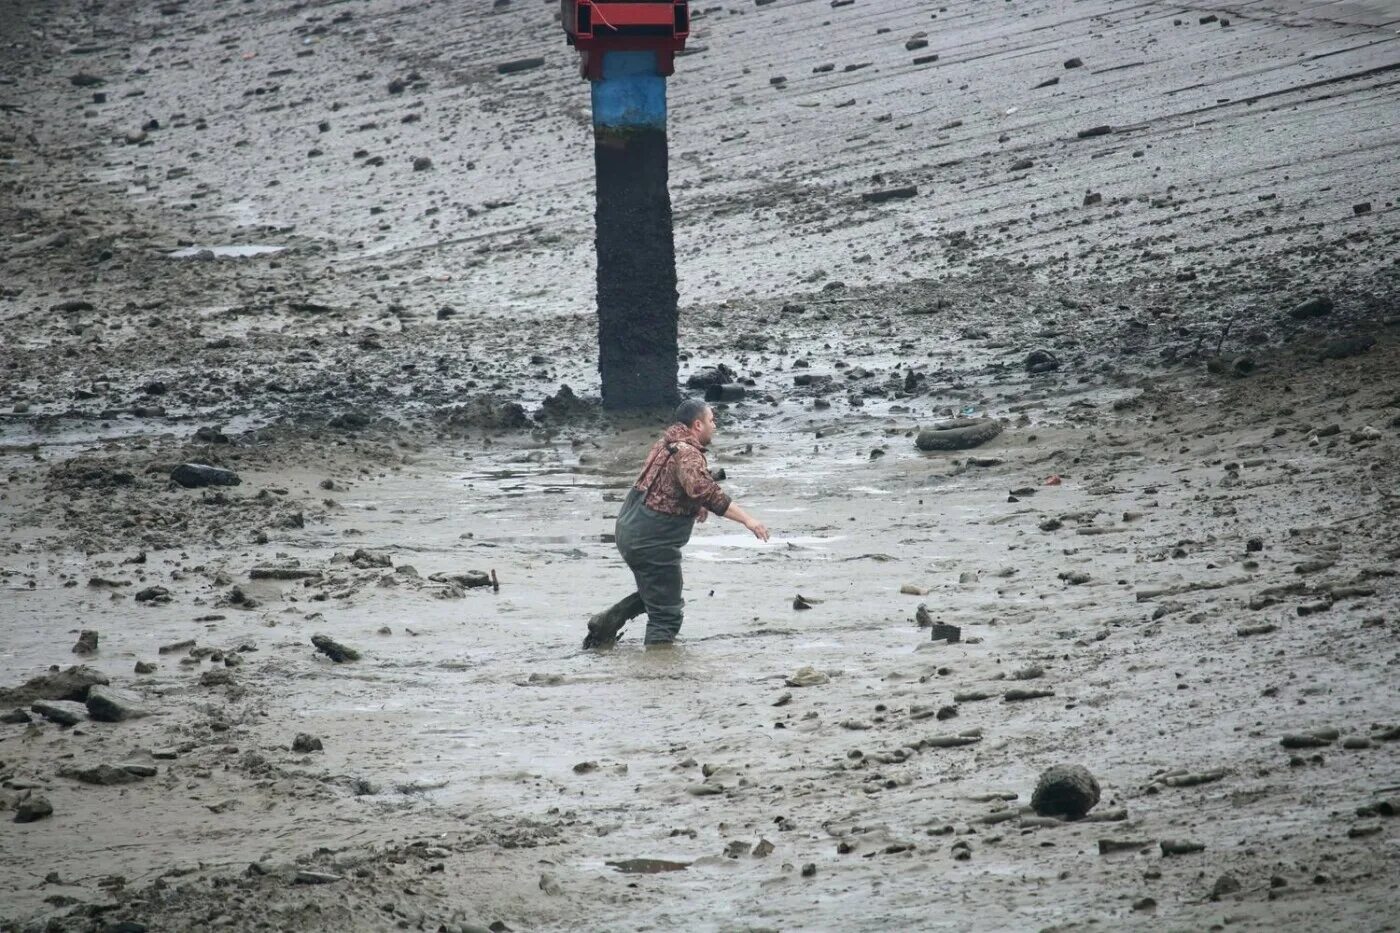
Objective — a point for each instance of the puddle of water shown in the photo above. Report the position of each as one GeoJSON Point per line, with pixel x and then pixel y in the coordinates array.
{"type": "Point", "coordinates": [745, 541]}
{"type": "Point", "coordinates": [65, 438]}
{"type": "Point", "coordinates": [226, 252]}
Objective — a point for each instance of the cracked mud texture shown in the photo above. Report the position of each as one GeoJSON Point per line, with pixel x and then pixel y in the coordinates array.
{"type": "Point", "coordinates": [338, 250]}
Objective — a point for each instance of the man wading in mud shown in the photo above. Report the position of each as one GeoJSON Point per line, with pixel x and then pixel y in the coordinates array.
{"type": "Point", "coordinates": [672, 493]}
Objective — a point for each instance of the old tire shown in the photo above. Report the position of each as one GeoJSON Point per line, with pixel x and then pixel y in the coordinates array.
{"type": "Point", "coordinates": [958, 434]}
{"type": "Point", "coordinates": [1065, 791]}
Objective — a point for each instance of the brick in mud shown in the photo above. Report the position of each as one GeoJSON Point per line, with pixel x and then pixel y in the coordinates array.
{"type": "Point", "coordinates": [518, 65]}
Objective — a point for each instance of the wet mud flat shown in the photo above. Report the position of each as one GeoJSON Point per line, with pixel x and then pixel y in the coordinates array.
{"type": "Point", "coordinates": [1173, 566]}
{"type": "Point", "coordinates": [1186, 584]}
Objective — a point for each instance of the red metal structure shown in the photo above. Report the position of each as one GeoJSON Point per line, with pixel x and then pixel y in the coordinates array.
{"type": "Point", "coordinates": [596, 27]}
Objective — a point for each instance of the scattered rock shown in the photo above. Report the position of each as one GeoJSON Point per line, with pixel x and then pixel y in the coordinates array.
{"type": "Point", "coordinates": [1110, 846]}
{"type": "Point", "coordinates": [63, 712]}
{"type": "Point", "coordinates": [1345, 347]}
{"type": "Point", "coordinates": [646, 866]}
{"type": "Point", "coordinates": [70, 684]}
{"type": "Point", "coordinates": [111, 704]}
{"type": "Point", "coordinates": [217, 677]}
{"type": "Point", "coordinates": [1195, 778]}
{"type": "Point", "coordinates": [1317, 306]}
{"type": "Point", "coordinates": [564, 405]}
{"type": "Point", "coordinates": [145, 667]}
{"type": "Point", "coordinates": [87, 642]}
{"type": "Point", "coordinates": [32, 808]}
{"type": "Point", "coordinates": [15, 717]}
{"type": "Point", "coordinates": [1025, 693]}
{"type": "Point", "coordinates": [958, 434]}
{"type": "Point", "coordinates": [729, 392]}
{"type": "Point", "coordinates": [807, 677]}
{"type": "Point", "coordinates": [488, 412]}
{"type": "Point", "coordinates": [941, 632]}
{"type": "Point", "coordinates": [154, 595]}
{"type": "Point", "coordinates": [890, 194]}
{"type": "Point", "coordinates": [1237, 366]}
{"type": "Point", "coordinates": [195, 475]}
{"type": "Point", "coordinates": [315, 877]}
{"type": "Point", "coordinates": [1181, 847]}
{"type": "Point", "coordinates": [1224, 885]}
{"type": "Point", "coordinates": [367, 560]}
{"type": "Point", "coordinates": [1067, 791]}
{"type": "Point", "coordinates": [334, 650]}
{"type": "Point", "coordinates": [1041, 361]}
{"type": "Point", "coordinates": [518, 65]}
{"type": "Point", "coordinates": [105, 774]}
{"type": "Point", "coordinates": [1315, 739]}
{"type": "Point", "coordinates": [305, 742]}
{"type": "Point", "coordinates": [711, 377]}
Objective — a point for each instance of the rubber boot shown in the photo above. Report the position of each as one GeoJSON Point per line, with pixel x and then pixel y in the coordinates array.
{"type": "Point", "coordinates": [605, 626]}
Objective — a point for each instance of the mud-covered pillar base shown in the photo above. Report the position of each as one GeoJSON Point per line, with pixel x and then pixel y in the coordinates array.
{"type": "Point", "coordinates": [637, 313]}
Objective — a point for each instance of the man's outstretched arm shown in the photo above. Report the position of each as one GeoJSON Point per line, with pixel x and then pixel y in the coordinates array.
{"type": "Point", "coordinates": [736, 514]}
{"type": "Point", "coordinates": [695, 479]}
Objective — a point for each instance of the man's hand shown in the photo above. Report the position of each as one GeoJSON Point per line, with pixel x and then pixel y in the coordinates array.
{"type": "Point", "coordinates": [737, 514]}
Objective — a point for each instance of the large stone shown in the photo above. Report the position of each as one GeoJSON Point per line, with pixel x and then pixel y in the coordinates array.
{"type": "Point", "coordinates": [194, 475]}
{"type": "Point", "coordinates": [70, 684]}
{"type": "Point", "coordinates": [63, 712]}
{"type": "Point", "coordinates": [106, 775]}
{"type": "Point", "coordinates": [334, 650]}
{"type": "Point", "coordinates": [958, 434]}
{"type": "Point", "coordinates": [87, 642]}
{"type": "Point", "coordinates": [110, 704]}
{"type": "Point", "coordinates": [1066, 791]}
{"type": "Point", "coordinates": [34, 807]}
{"type": "Point", "coordinates": [305, 742]}
{"type": "Point", "coordinates": [1316, 306]}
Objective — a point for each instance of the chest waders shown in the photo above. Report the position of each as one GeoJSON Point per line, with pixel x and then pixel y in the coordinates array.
{"type": "Point", "coordinates": [650, 542]}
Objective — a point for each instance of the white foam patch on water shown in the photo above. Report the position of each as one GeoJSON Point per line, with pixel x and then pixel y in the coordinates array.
{"type": "Point", "coordinates": [226, 252]}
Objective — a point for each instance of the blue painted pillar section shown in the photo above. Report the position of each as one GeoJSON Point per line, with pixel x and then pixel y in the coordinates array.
{"type": "Point", "coordinates": [631, 93]}
{"type": "Point", "coordinates": [637, 312]}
